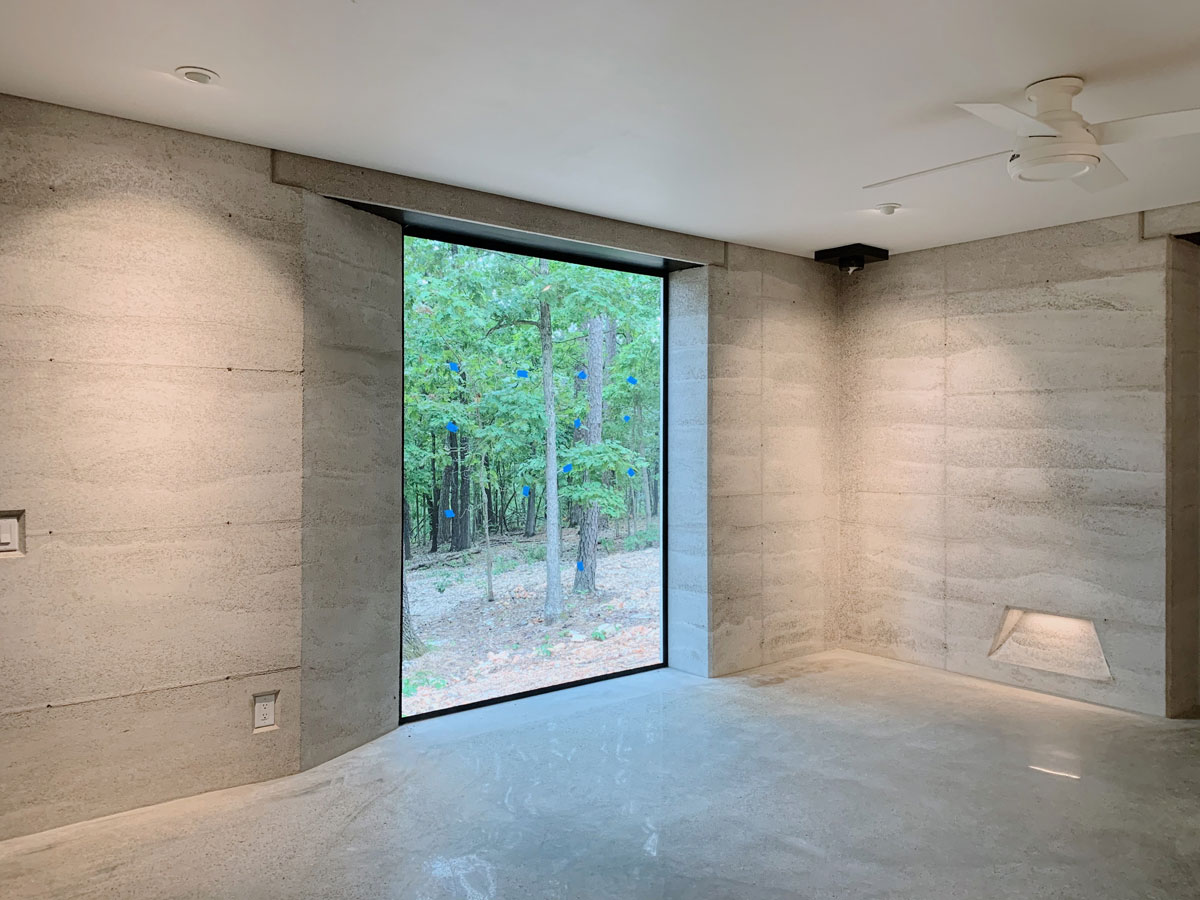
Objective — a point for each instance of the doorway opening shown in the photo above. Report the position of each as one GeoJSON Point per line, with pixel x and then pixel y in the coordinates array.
{"type": "Point", "coordinates": [534, 474]}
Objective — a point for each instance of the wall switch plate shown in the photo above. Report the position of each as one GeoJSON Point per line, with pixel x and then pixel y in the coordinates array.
{"type": "Point", "coordinates": [12, 532]}
{"type": "Point", "coordinates": [264, 711]}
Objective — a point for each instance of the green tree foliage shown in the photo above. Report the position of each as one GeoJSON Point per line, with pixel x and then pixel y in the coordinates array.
{"type": "Point", "coordinates": [473, 358]}
{"type": "Point", "coordinates": [590, 463]}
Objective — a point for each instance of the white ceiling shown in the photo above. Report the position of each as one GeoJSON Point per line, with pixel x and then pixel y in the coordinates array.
{"type": "Point", "coordinates": [744, 120]}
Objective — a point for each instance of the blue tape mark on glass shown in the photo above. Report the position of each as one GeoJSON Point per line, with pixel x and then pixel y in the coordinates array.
{"type": "Point", "coordinates": [449, 514]}
{"type": "Point", "coordinates": [631, 380]}
{"type": "Point", "coordinates": [579, 566]}
{"type": "Point", "coordinates": [631, 472]}
{"type": "Point", "coordinates": [450, 426]}
{"type": "Point", "coordinates": [522, 373]}
{"type": "Point", "coordinates": [567, 467]}
{"type": "Point", "coordinates": [626, 418]}
{"type": "Point", "coordinates": [453, 366]}
{"type": "Point", "coordinates": [582, 375]}
{"type": "Point", "coordinates": [577, 423]}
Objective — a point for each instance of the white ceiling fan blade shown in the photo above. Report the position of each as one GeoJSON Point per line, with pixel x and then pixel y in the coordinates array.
{"type": "Point", "coordinates": [1148, 128]}
{"type": "Point", "coordinates": [1009, 119]}
{"type": "Point", "coordinates": [1104, 176]}
{"type": "Point", "coordinates": [965, 162]}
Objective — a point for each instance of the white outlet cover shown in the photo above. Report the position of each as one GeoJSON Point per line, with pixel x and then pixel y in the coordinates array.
{"type": "Point", "coordinates": [10, 534]}
{"type": "Point", "coordinates": [264, 711]}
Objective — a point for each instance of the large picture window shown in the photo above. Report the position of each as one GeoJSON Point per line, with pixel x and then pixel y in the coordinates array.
{"type": "Point", "coordinates": [533, 474]}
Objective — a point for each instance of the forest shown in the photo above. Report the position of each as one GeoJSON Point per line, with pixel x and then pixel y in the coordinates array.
{"type": "Point", "coordinates": [531, 437]}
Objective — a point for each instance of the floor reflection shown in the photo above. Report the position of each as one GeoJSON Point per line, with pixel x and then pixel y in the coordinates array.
{"type": "Point", "coordinates": [836, 776]}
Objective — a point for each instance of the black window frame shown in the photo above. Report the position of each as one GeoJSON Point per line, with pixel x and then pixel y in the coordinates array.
{"type": "Point", "coordinates": [504, 240]}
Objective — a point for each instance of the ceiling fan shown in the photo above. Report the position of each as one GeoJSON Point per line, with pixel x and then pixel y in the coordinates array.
{"type": "Point", "coordinates": [1056, 144]}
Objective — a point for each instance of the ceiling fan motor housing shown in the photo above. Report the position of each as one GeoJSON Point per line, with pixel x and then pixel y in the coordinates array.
{"type": "Point", "coordinates": [1072, 152]}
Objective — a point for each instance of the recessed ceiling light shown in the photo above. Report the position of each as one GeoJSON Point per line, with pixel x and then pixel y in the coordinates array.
{"type": "Point", "coordinates": [197, 75]}
{"type": "Point", "coordinates": [888, 208]}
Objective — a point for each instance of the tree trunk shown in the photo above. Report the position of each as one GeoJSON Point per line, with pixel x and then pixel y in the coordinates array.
{"type": "Point", "coordinates": [406, 531]}
{"type": "Point", "coordinates": [447, 502]}
{"type": "Point", "coordinates": [491, 513]}
{"type": "Point", "coordinates": [487, 531]}
{"type": "Point", "coordinates": [411, 645]}
{"type": "Point", "coordinates": [460, 525]}
{"type": "Point", "coordinates": [646, 491]}
{"type": "Point", "coordinates": [554, 599]}
{"type": "Point", "coordinates": [610, 356]}
{"type": "Point", "coordinates": [433, 520]}
{"type": "Point", "coordinates": [606, 522]}
{"type": "Point", "coordinates": [531, 512]}
{"type": "Point", "coordinates": [641, 440]}
{"type": "Point", "coordinates": [654, 490]}
{"type": "Point", "coordinates": [435, 502]}
{"type": "Point", "coordinates": [508, 498]}
{"type": "Point", "coordinates": [589, 529]}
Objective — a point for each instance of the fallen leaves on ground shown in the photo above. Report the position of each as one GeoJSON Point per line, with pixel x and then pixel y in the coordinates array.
{"type": "Point", "coordinates": [479, 650]}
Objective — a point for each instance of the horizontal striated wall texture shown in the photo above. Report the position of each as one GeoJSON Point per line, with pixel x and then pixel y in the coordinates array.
{"type": "Point", "coordinates": [151, 319]}
{"type": "Point", "coordinates": [1003, 427]}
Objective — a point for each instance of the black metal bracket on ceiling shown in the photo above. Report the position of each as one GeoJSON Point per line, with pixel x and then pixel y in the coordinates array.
{"type": "Point", "coordinates": [851, 257]}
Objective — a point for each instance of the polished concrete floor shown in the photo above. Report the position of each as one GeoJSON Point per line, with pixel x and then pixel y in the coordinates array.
{"type": "Point", "coordinates": [836, 776]}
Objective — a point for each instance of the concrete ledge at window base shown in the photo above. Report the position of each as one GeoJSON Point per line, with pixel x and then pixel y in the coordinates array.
{"type": "Point", "coordinates": [345, 182]}
{"type": "Point", "coordinates": [1182, 219]}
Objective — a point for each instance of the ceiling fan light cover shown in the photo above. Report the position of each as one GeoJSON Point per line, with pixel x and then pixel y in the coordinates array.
{"type": "Point", "coordinates": [1052, 163]}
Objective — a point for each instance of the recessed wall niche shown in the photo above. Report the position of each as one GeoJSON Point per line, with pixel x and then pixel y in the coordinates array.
{"type": "Point", "coordinates": [1052, 643]}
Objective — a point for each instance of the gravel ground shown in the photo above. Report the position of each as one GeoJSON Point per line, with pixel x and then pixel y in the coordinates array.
{"type": "Point", "coordinates": [479, 650]}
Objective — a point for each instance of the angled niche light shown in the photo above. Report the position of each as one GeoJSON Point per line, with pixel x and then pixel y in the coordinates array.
{"type": "Point", "coordinates": [1052, 643]}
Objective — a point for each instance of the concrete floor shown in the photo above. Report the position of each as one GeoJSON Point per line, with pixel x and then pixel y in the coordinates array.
{"type": "Point", "coordinates": [838, 775]}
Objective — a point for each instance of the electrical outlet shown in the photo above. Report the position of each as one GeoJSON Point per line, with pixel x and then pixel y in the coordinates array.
{"type": "Point", "coordinates": [264, 711]}
{"type": "Point", "coordinates": [12, 532]}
